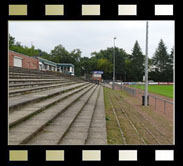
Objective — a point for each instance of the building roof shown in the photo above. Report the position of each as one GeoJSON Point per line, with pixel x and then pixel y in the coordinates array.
{"type": "Point", "coordinates": [55, 64]}
{"type": "Point", "coordinates": [65, 64]}
{"type": "Point", "coordinates": [48, 62]}
{"type": "Point", "coordinates": [97, 72]}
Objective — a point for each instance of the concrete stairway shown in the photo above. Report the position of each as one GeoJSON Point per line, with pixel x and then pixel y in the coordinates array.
{"type": "Point", "coordinates": [34, 72]}
{"type": "Point", "coordinates": [34, 84]}
{"type": "Point", "coordinates": [55, 110]}
{"type": "Point", "coordinates": [37, 88]}
{"type": "Point", "coordinates": [97, 132]}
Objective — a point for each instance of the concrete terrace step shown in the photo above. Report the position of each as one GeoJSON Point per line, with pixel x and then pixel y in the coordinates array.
{"type": "Point", "coordinates": [30, 77]}
{"type": "Point", "coordinates": [29, 74]}
{"type": "Point", "coordinates": [24, 132]}
{"type": "Point", "coordinates": [23, 85]}
{"type": "Point", "coordinates": [22, 114]}
{"type": "Point", "coordinates": [32, 71]}
{"type": "Point", "coordinates": [40, 72]}
{"type": "Point", "coordinates": [18, 81]}
{"type": "Point", "coordinates": [39, 88]}
{"type": "Point", "coordinates": [20, 69]}
{"type": "Point", "coordinates": [52, 133]}
{"type": "Point", "coordinates": [19, 101]}
{"type": "Point", "coordinates": [78, 132]}
{"type": "Point", "coordinates": [98, 133]}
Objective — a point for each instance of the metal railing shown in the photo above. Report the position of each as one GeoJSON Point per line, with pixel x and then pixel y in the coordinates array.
{"type": "Point", "coordinates": [165, 102]}
{"type": "Point", "coordinates": [157, 102]}
{"type": "Point", "coordinates": [153, 100]}
{"type": "Point", "coordinates": [129, 90]}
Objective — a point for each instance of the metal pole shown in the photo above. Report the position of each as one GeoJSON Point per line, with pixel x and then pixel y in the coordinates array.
{"type": "Point", "coordinates": [113, 65]}
{"type": "Point", "coordinates": [146, 65]}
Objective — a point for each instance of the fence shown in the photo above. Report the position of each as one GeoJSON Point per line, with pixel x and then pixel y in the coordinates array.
{"type": "Point", "coordinates": [129, 90]}
{"type": "Point", "coordinates": [160, 104]}
{"type": "Point", "coordinates": [106, 85]}
{"type": "Point", "coordinates": [164, 102]}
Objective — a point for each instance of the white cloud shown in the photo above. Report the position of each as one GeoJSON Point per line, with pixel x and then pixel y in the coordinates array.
{"type": "Point", "coordinates": [91, 36]}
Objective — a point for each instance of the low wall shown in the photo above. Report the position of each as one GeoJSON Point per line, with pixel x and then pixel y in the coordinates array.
{"type": "Point", "coordinates": [27, 62]}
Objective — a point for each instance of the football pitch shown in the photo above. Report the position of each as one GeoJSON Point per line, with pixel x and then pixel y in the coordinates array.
{"type": "Point", "coordinates": [164, 90]}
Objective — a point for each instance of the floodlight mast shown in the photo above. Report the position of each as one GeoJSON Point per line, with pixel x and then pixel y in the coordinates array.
{"type": "Point", "coordinates": [113, 64]}
{"type": "Point", "coordinates": [146, 65]}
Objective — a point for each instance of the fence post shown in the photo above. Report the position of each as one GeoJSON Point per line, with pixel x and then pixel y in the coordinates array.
{"type": "Point", "coordinates": [155, 102]}
{"type": "Point", "coordinates": [164, 107]}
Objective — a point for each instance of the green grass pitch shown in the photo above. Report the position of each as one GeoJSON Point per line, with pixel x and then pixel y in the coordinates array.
{"type": "Point", "coordinates": [164, 90]}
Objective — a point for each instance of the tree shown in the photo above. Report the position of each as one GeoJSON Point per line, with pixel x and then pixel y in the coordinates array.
{"type": "Point", "coordinates": [170, 67]}
{"type": "Point", "coordinates": [163, 63]}
{"type": "Point", "coordinates": [137, 62]}
{"type": "Point", "coordinates": [128, 72]}
{"type": "Point", "coordinates": [75, 57]}
{"type": "Point", "coordinates": [128, 67]}
{"type": "Point", "coordinates": [104, 65]}
{"type": "Point", "coordinates": [120, 59]}
{"type": "Point", "coordinates": [170, 64]}
{"type": "Point", "coordinates": [11, 41]}
{"type": "Point", "coordinates": [18, 47]}
{"type": "Point", "coordinates": [161, 57]}
{"type": "Point", "coordinates": [43, 54]}
{"type": "Point", "coordinates": [60, 55]}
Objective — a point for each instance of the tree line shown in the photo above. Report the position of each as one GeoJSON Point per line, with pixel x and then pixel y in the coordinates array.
{"type": "Point", "coordinates": [129, 67]}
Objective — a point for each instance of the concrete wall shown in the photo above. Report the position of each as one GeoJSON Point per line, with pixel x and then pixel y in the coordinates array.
{"type": "Point", "coordinates": [27, 62]}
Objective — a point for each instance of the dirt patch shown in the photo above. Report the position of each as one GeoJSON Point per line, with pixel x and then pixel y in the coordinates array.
{"type": "Point", "coordinates": [161, 122]}
{"type": "Point", "coordinates": [141, 125]}
{"type": "Point", "coordinates": [162, 107]}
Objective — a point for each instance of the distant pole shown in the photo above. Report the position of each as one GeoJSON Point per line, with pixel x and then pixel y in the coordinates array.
{"type": "Point", "coordinates": [113, 65]}
{"type": "Point", "coordinates": [146, 65]}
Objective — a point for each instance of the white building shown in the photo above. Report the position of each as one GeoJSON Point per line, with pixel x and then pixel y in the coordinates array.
{"type": "Point", "coordinates": [65, 68]}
